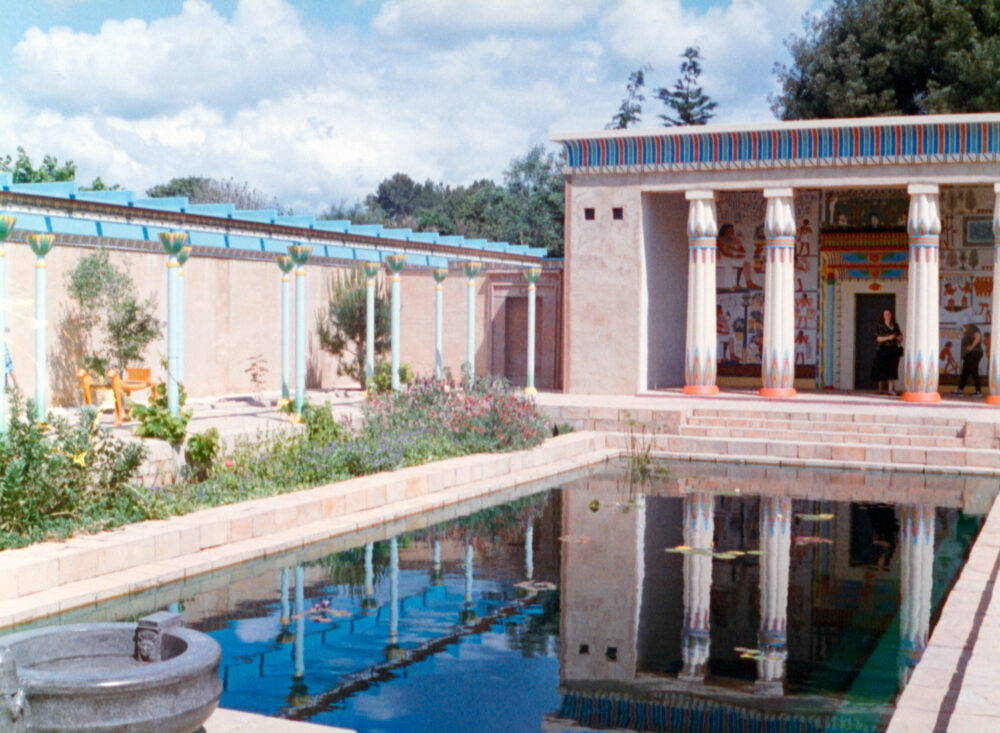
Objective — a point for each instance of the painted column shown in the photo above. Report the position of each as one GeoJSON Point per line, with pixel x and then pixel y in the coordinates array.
{"type": "Point", "coordinates": [300, 255]}
{"type": "Point", "coordinates": [6, 227]}
{"type": "Point", "coordinates": [922, 333]}
{"type": "Point", "coordinates": [916, 581]}
{"type": "Point", "coordinates": [699, 534]}
{"type": "Point", "coordinates": [701, 339]}
{"type": "Point", "coordinates": [40, 244]}
{"type": "Point", "coordinates": [529, 552]}
{"type": "Point", "coordinates": [531, 274]}
{"type": "Point", "coordinates": [775, 546]}
{"type": "Point", "coordinates": [370, 270]}
{"type": "Point", "coordinates": [440, 273]}
{"type": "Point", "coordinates": [778, 354]}
{"type": "Point", "coordinates": [468, 614]}
{"type": "Point", "coordinates": [828, 282]}
{"type": "Point", "coordinates": [994, 396]}
{"type": "Point", "coordinates": [172, 243]}
{"type": "Point", "coordinates": [285, 265]}
{"type": "Point", "coordinates": [395, 264]}
{"type": "Point", "coordinates": [368, 603]}
{"type": "Point", "coordinates": [471, 270]}
{"type": "Point", "coordinates": [182, 257]}
{"type": "Point", "coordinates": [299, 648]}
{"type": "Point", "coordinates": [393, 650]}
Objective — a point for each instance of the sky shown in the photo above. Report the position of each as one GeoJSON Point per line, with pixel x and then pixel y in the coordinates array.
{"type": "Point", "coordinates": [316, 101]}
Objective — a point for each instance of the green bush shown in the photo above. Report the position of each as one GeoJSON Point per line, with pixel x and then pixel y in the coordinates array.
{"type": "Point", "coordinates": [382, 380]}
{"type": "Point", "coordinates": [57, 477]}
{"type": "Point", "coordinates": [155, 420]}
{"type": "Point", "coordinates": [201, 452]}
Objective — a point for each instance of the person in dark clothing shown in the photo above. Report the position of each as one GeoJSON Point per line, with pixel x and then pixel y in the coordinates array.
{"type": "Point", "coordinates": [885, 369]}
{"type": "Point", "coordinates": [972, 354]}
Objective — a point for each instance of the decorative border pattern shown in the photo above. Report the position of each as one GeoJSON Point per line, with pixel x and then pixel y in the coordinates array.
{"type": "Point", "coordinates": [787, 148]}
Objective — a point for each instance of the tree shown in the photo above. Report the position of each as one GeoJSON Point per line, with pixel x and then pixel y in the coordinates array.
{"type": "Point", "coordinates": [630, 111]}
{"type": "Point", "coordinates": [113, 326]}
{"type": "Point", "coordinates": [49, 171]}
{"type": "Point", "coordinates": [534, 203]}
{"type": "Point", "coordinates": [880, 57]}
{"type": "Point", "coordinates": [688, 102]}
{"type": "Point", "coordinates": [341, 327]}
{"type": "Point", "coordinates": [201, 190]}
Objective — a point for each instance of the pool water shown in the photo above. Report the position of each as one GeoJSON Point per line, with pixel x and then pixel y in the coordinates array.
{"type": "Point", "coordinates": [722, 598]}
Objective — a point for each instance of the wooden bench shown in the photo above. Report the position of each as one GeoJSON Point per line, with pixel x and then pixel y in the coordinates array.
{"type": "Point", "coordinates": [136, 378]}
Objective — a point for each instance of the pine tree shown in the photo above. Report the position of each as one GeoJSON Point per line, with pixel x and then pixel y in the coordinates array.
{"type": "Point", "coordinates": [688, 102]}
{"type": "Point", "coordinates": [630, 110]}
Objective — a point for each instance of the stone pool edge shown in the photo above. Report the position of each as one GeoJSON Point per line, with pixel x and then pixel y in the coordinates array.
{"type": "Point", "coordinates": [954, 686]}
{"type": "Point", "coordinates": [53, 577]}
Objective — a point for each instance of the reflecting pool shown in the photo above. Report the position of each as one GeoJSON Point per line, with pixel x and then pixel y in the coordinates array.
{"type": "Point", "coordinates": [721, 598]}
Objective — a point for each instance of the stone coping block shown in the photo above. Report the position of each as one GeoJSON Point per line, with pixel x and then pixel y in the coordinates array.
{"type": "Point", "coordinates": [235, 721]}
{"type": "Point", "coordinates": [39, 569]}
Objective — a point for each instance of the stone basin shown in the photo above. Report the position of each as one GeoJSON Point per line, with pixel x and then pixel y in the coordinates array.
{"type": "Point", "coordinates": [154, 676]}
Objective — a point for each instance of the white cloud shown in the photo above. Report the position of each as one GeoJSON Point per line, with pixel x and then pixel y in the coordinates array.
{"type": "Point", "coordinates": [316, 115]}
{"type": "Point", "coordinates": [407, 17]}
{"type": "Point", "coordinates": [135, 68]}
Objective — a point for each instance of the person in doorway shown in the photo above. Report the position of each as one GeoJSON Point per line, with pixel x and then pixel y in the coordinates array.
{"type": "Point", "coordinates": [889, 347]}
{"type": "Point", "coordinates": [972, 354]}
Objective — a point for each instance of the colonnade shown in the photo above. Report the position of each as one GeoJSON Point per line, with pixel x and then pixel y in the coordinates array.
{"type": "Point", "coordinates": [916, 580]}
{"type": "Point", "coordinates": [920, 367]}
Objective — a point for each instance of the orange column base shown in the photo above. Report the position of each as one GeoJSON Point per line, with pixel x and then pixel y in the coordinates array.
{"type": "Point", "coordinates": [778, 392]}
{"type": "Point", "coordinates": [920, 396]}
{"type": "Point", "coordinates": [701, 389]}
{"type": "Point", "coordinates": [993, 399]}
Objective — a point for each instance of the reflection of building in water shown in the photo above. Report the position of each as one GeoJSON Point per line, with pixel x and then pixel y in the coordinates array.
{"type": "Point", "coordinates": [775, 557]}
{"type": "Point", "coordinates": [917, 576]}
{"type": "Point", "coordinates": [818, 616]}
{"type": "Point", "coordinates": [699, 529]}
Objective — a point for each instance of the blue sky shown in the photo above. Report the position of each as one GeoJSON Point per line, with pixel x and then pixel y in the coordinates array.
{"type": "Point", "coordinates": [315, 101]}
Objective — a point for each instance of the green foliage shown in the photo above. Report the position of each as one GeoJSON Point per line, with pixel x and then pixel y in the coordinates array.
{"type": "Point", "coordinates": [190, 187]}
{"type": "Point", "coordinates": [202, 190]}
{"type": "Point", "coordinates": [882, 57]}
{"type": "Point", "coordinates": [341, 328]}
{"type": "Point", "coordinates": [630, 111]}
{"type": "Point", "coordinates": [382, 382]}
{"type": "Point", "coordinates": [687, 102]}
{"type": "Point", "coordinates": [200, 453]}
{"type": "Point", "coordinates": [526, 209]}
{"type": "Point", "coordinates": [114, 327]}
{"type": "Point", "coordinates": [60, 477]}
{"type": "Point", "coordinates": [322, 427]}
{"type": "Point", "coordinates": [155, 420]}
{"type": "Point", "coordinates": [49, 171]}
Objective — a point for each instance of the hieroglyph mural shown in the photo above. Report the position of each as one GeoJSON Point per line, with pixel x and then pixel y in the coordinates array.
{"type": "Point", "coordinates": [740, 277]}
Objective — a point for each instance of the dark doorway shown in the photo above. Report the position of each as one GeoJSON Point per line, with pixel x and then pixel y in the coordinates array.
{"type": "Point", "coordinates": [515, 366]}
{"type": "Point", "coordinates": [867, 312]}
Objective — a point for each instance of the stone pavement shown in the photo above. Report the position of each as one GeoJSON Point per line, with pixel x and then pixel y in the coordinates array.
{"type": "Point", "coordinates": [233, 721]}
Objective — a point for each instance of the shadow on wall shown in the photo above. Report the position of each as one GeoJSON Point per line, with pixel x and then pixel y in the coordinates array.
{"type": "Point", "coordinates": [66, 359]}
{"type": "Point", "coordinates": [314, 373]}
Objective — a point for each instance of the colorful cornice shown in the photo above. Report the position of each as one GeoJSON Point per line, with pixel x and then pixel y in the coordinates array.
{"type": "Point", "coordinates": [869, 141]}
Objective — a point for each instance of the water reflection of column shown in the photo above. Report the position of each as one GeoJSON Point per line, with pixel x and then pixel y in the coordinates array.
{"type": "Point", "coordinates": [775, 545]}
{"type": "Point", "coordinates": [699, 530]}
{"type": "Point", "coordinates": [368, 602]}
{"type": "Point", "coordinates": [529, 552]}
{"type": "Point", "coordinates": [436, 575]}
{"type": "Point", "coordinates": [915, 584]}
{"type": "Point", "coordinates": [468, 615]}
{"type": "Point", "coordinates": [286, 609]}
{"type": "Point", "coordinates": [393, 650]}
{"type": "Point", "coordinates": [298, 651]}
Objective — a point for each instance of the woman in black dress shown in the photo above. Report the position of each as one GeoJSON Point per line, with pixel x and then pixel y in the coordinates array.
{"type": "Point", "coordinates": [889, 340]}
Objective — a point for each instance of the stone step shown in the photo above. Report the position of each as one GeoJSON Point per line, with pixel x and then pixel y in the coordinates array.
{"type": "Point", "coordinates": [824, 436]}
{"type": "Point", "coordinates": [846, 417]}
{"type": "Point", "coordinates": [884, 456]}
{"type": "Point", "coordinates": [825, 425]}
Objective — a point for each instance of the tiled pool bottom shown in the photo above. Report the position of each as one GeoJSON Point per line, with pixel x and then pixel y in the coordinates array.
{"type": "Point", "coordinates": [770, 611]}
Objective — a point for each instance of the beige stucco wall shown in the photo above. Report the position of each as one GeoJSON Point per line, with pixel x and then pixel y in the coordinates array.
{"type": "Point", "coordinates": [666, 268]}
{"type": "Point", "coordinates": [603, 291]}
{"type": "Point", "coordinates": [232, 313]}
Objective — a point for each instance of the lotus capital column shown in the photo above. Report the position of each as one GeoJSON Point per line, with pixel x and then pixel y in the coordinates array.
{"type": "Point", "coordinates": [778, 354]}
{"type": "Point", "coordinates": [700, 344]}
{"type": "Point", "coordinates": [920, 367]}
